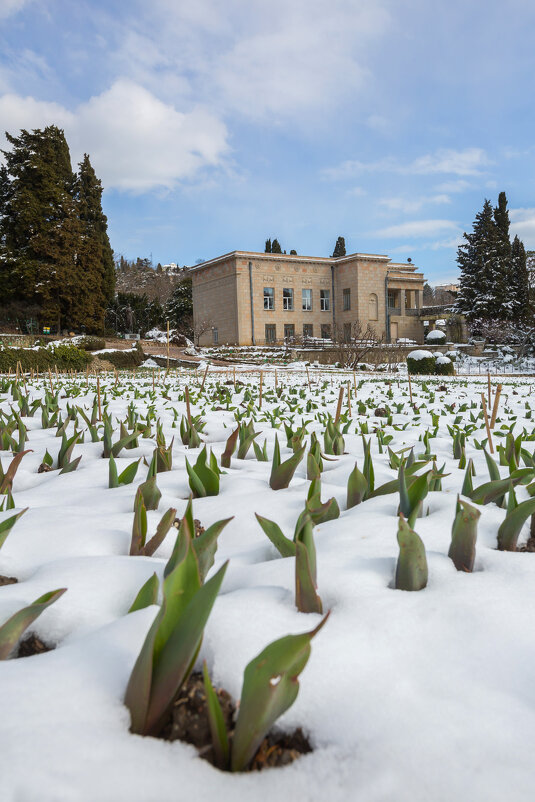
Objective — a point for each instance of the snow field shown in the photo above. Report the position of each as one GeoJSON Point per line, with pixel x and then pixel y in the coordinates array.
{"type": "Point", "coordinates": [412, 696]}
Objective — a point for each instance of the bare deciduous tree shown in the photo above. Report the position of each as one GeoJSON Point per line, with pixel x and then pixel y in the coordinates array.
{"type": "Point", "coordinates": [354, 342]}
{"type": "Point", "coordinates": [200, 327]}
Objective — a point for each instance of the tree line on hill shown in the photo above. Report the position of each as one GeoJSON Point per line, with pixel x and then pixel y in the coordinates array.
{"type": "Point", "coordinates": [55, 256]}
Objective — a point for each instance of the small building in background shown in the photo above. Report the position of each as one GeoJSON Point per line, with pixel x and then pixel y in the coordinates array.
{"type": "Point", "coordinates": [246, 298]}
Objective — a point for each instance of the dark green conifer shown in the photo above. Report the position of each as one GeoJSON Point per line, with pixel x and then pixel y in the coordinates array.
{"type": "Point", "coordinates": [339, 248]}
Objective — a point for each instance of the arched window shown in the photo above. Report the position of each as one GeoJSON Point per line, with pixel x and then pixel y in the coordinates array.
{"type": "Point", "coordinates": [373, 310]}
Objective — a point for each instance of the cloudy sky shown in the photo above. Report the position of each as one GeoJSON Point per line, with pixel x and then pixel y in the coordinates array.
{"type": "Point", "coordinates": [214, 125]}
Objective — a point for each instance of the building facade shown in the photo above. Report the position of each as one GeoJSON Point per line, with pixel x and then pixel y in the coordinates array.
{"type": "Point", "coordinates": [246, 298]}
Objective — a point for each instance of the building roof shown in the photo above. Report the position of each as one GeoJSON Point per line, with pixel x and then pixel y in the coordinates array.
{"type": "Point", "coordinates": [326, 260]}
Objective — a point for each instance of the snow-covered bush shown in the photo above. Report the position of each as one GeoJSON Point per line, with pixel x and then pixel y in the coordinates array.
{"type": "Point", "coordinates": [421, 361]}
{"type": "Point", "coordinates": [88, 342]}
{"type": "Point", "coordinates": [444, 366]}
{"type": "Point", "coordinates": [436, 337]}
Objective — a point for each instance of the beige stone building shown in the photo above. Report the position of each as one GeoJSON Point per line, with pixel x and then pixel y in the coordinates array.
{"type": "Point", "coordinates": [247, 298]}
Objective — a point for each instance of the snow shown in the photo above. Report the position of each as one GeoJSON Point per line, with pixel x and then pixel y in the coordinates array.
{"type": "Point", "coordinates": [420, 354]}
{"type": "Point", "coordinates": [435, 336]}
{"type": "Point", "coordinates": [443, 360]}
{"type": "Point", "coordinates": [407, 696]}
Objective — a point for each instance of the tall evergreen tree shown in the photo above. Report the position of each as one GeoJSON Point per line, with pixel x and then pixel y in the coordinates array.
{"type": "Point", "coordinates": [95, 222]}
{"type": "Point", "coordinates": [54, 249]}
{"type": "Point", "coordinates": [275, 246]}
{"type": "Point", "coordinates": [477, 259]}
{"type": "Point", "coordinates": [519, 281]}
{"type": "Point", "coordinates": [267, 249]}
{"type": "Point", "coordinates": [39, 226]}
{"type": "Point", "coordinates": [504, 299]}
{"type": "Point", "coordinates": [339, 248]}
{"type": "Point", "coordinates": [179, 307]}
{"type": "Point", "coordinates": [95, 256]}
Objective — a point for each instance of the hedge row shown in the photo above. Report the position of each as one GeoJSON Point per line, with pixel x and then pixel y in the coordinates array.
{"type": "Point", "coordinates": [64, 357]}
{"type": "Point", "coordinates": [429, 366]}
{"type": "Point", "coordinates": [131, 358]}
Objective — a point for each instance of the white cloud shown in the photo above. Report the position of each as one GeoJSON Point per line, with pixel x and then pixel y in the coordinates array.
{"type": "Point", "coordinates": [452, 187]}
{"type": "Point", "coordinates": [418, 228]}
{"type": "Point", "coordinates": [523, 224]}
{"type": "Point", "coordinates": [267, 61]}
{"type": "Point", "coordinates": [356, 192]}
{"type": "Point", "coordinates": [469, 161]}
{"type": "Point", "coordinates": [379, 123]}
{"type": "Point", "coordinates": [411, 205]}
{"type": "Point", "coordinates": [9, 7]}
{"type": "Point", "coordinates": [136, 142]}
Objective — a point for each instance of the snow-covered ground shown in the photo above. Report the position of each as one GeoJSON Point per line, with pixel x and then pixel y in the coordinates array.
{"type": "Point", "coordinates": [426, 696]}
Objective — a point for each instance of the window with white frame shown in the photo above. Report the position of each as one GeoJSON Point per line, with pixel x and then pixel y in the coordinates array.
{"type": "Point", "coordinates": [346, 298]}
{"type": "Point", "coordinates": [288, 298]}
{"type": "Point", "coordinates": [307, 300]}
{"type": "Point", "coordinates": [269, 298]}
{"type": "Point", "coordinates": [325, 300]}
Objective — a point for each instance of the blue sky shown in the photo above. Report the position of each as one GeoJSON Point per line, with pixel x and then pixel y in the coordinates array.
{"type": "Point", "coordinates": [214, 125]}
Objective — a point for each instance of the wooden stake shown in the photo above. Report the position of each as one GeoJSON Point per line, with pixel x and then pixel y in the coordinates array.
{"type": "Point", "coordinates": [308, 377]}
{"type": "Point", "coordinates": [349, 398]}
{"type": "Point", "coordinates": [489, 434]}
{"type": "Point", "coordinates": [495, 407]}
{"type": "Point", "coordinates": [410, 387]}
{"type": "Point", "coordinates": [355, 382]}
{"type": "Point", "coordinates": [488, 388]}
{"type": "Point", "coordinates": [168, 345]}
{"type": "Point", "coordinates": [234, 375]}
{"type": "Point", "coordinates": [260, 392]}
{"type": "Point", "coordinates": [98, 397]}
{"type": "Point", "coordinates": [204, 378]}
{"type": "Point", "coordinates": [339, 407]}
{"type": "Point", "coordinates": [276, 381]}
{"type": "Point", "coordinates": [188, 410]}
{"type": "Point", "coordinates": [50, 377]}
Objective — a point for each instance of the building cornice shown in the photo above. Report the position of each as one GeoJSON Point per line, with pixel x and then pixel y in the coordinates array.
{"type": "Point", "coordinates": [322, 260]}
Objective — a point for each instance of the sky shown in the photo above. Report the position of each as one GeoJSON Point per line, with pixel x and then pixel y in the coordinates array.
{"type": "Point", "coordinates": [214, 125]}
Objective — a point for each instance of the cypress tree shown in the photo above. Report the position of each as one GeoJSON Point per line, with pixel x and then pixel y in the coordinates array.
{"type": "Point", "coordinates": [95, 256]}
{"type": "Point", "coordinates": [504, 301]}
{"type": "Point", "coordinates": [519, 281]}
{"type": "Point", "coordinates": [275, 246]}
{"type": "Point", "coordinates": [268, 246]}
{"type": "Point", "coordinates": [339, 248]}
{"type": "Point", "coordinates": [39, 227]}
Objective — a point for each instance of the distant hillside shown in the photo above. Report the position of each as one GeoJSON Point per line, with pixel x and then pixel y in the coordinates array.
{"type": "Point", "coordinates": [140, 278]}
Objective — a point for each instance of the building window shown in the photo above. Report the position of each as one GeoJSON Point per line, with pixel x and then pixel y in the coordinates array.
{"type": "Point", "coordinates": [325, 300]}
{"type": "Point", "coordinates": [289, 331]}
{"type": "Point", "coordinates": [394, 301]}
{"type": "Point", "coordinates": [269, 298]}
{"type": "Point", "coordinates": [326, 330]}
{"type": "Point", "coordinates": [346, 296]}
{"type": "Point", "coordinates": [288, 298]}
{"type": "Point", "coordinates": [271, 333]}
{"type": "Point", "coordinates": [347, 332]}
{"type": "Point", "coordinates": [307, 300]}
{"type": "Point", "coordinates": [308, 330]}
{"type": "Point", "coordinates": [215, 336]}
{"type": "Point", "coordinates": [373, 313]}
